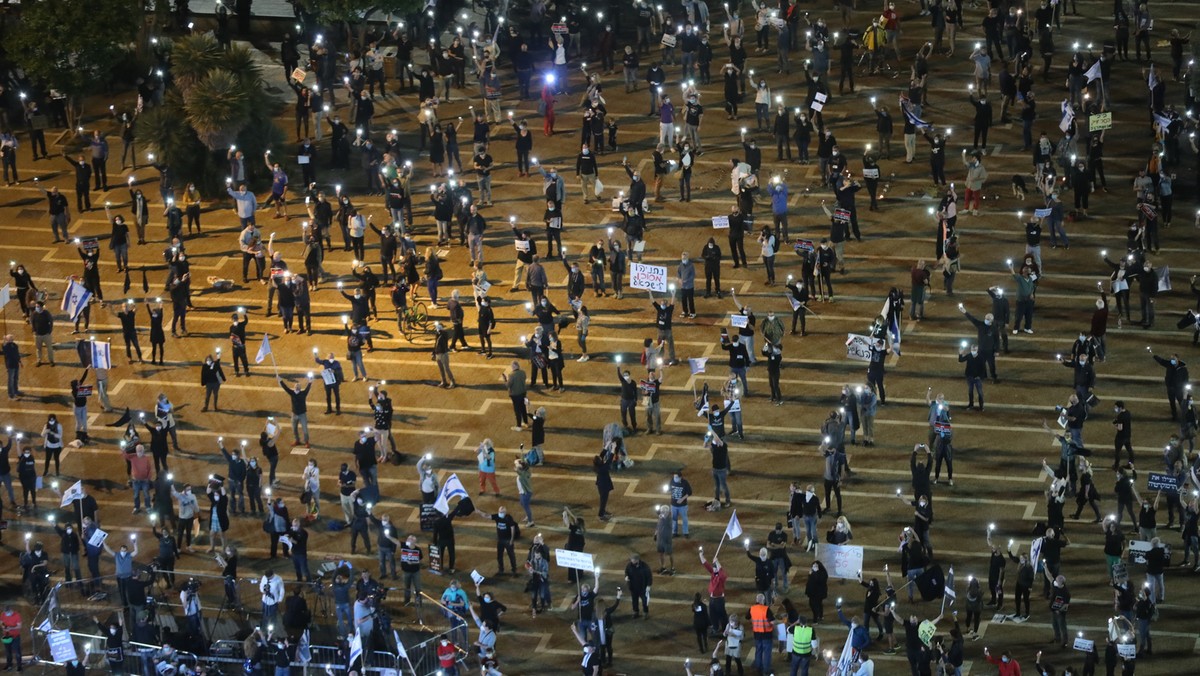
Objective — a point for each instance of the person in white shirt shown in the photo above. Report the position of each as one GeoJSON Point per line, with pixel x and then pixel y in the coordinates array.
{"type": "Point", "coordinates": [271, 586]}
{"type": "Point", "coordinates": [864, 664]}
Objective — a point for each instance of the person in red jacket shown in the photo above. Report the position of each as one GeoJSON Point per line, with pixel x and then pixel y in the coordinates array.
{"type": "Point", "coordinates": [447, 654]}
{"type": "Point", "coordinates": [10, 624]}
{"type": "Point", "coordinates": [1005, 663]}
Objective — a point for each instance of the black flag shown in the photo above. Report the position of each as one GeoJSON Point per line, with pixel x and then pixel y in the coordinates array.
{"type": "Point", "coordinates": [145, 283]}
{"type": "Point", "coordinates": [123, 420]}
{"type": "Point", "coordinates": [125, 289]}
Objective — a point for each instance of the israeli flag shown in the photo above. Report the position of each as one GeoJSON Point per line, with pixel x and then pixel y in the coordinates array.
{"type": "Point", "coordinates": [356, 647]}
{"type": "Point", "coordinates": [101, 355]}
{"type": "Point", "coordinates": [453, 488]}
{"type": "Point", "coordinates": [916, 121]}
{"type": "Point", "coordinates": [75, 299]}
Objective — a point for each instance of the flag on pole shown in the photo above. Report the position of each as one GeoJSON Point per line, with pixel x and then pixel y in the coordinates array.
{"type": "Point", "coordinates": [356, 647]}
{"type": "Point", "coordinates": [845, 663]}
{"type": "Point", "coordinates": [399, 645]}
{"type": "Point", "coordinates": [304, 650]}
{"type": "Point", "coordinates": [263, 350]}
{"type": "Point", "coordinates": [453, 488]}
{"type": "Point", "coordinates": [1163, 121]}
{"type": "Point", "coordinates": [1152, 79]}
{"type": "Point", "coordinates": [101, 355]}
{"type": "Point", "coordinates": [1093, 72]}
{"type": "Point", "coordinates": [696, 364]}
{"type": "Point", "coordinates": [1068, 115]}
{"type": "Point", "coordinates": [734, 529]}
{"type": "Point", "coordinates": [72, 494]}
{"type": "Point", "coordinates": [75, 299]}
{"type": "Point", "coordinates": [894, 327]}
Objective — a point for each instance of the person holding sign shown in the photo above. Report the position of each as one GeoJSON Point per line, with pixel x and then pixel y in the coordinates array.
{"type": "Point", "coordinates": [664, 313]}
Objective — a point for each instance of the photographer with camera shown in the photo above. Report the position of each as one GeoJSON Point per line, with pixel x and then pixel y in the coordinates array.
{"type": "Point", "coordinates": [189, 598]}
{"type": "Point", "coordinates": [271, 586]}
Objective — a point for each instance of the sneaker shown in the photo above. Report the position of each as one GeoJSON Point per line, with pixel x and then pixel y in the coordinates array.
{"type": "Point", "coordinates": [1027, 330]}
{"type": "Point", "coordinates": [583, 358]}
{"type": "Point", "coordinates": [1016, 331]}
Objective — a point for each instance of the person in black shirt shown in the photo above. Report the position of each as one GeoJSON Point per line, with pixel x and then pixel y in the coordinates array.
{"type": "Point", "coordinates": [663, 313]}
{"type": "Point", "coordinates": [506, 534]}
{"type": "Point", "coordinates": [299, 399]}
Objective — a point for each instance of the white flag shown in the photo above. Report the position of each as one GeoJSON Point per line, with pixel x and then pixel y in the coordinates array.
{"type": "Point", "coordinates": [734, 529]}
{"type": "Point", "coordinates": [453, 488]}
{"type": "Point", "coordinates": [696, 364]}
{"type": "Point", "coordinates": [72, 494]}
{"type": "Point", "coordinates": [263, 350]}
{"type": "Point", "coordinates": [1093, 72]}
{"type": "Point", "coordinates": [101, 355]}
{"type": "Point", "coordinates": [75, 299]}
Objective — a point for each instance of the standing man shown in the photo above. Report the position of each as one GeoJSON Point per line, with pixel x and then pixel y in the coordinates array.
{"type": "Point", "coordinates": [211, 377]}
{"type": "Point", "coordinates": [664, 313]}
{"type": "Point", "coordinates": [333, 377]}
{"type": "Point", "coordinates": [1175, 378]}
{"type": "Point", "coordinates": [59, 215]}
{"type": "Point", "coordinates": [514, 379]}
{"type": "Point", "coordinates": [1026, 288]}
{"type": "Point", "coordinates": [686, 276]}
{"type": "Point", "coordinates": [680, 490]}
{"type": "Point", "coordinates": [83, 183]}
{"type": "Point", "coordinates": [299, 399]}
{"type": "Point", "coordinates": [762, 623]}
{"type": "Point", "coordinates": [986, 333]}
{"type": "Point", "coordinates": [12, 365]}
{"type": "Point", "coordinates": [506, 533]}
{"type": "Point", "coordinates": [42, 323]}
{"type": "Point", "coordinates": [1123, 427]}
{"type": "Point", "coordinates": [640, 579]}
{"type": "Point", "coordinates": [99, 148]}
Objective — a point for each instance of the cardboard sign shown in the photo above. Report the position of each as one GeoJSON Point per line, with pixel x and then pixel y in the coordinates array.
{"type": "Point", "coordinates": [5, 295]}
{"type": "Point", "coordinates": [521, 244]}
{"type": "Point", "coordinates": [720, 222]}
{"type": "Point", "coordinates": [298, 74]}
{"type": "Point", "coordinates": [942, 429]}
{"type": "Point", "coordinates": [429, 515]}
{"type": "Point", "coordinates": [842, 561]}
{"type": "Point", "coordinates": [841, 215]}
{"type": "Point", "coordinates": [1084, 645]}
{"type": "Point", "coordinates": [558, 28]}
{"type": "Point", "coordinates": [62, 646]}
{"type": "Point", "coordinates": [89, 244]}
{"type": "Point", "coordinates": [858, 347]}
{"type": "Point", "coordinates": [1127, 650]}
{"type": "Point", "coordinates": [739, 321]}
{"type": "Point", "coordinates": [1161, 482]}
{"type": "Point", "coordinates": [83, 391]}
{"type": "Point", "coordinates": [668, 40]}
{"type": "Point", "coordinates": [804, 245]}
{"type": "Point", "coordinates": [97, 538]}
{"type": "Point", "coordinates": [1100, 122]}
{"type": "Point", "coordinates": [871, 173]}
{"type": "Point", "coordinates": [651, 277]}
{"type": "Point", "coordinates": [565, 558]}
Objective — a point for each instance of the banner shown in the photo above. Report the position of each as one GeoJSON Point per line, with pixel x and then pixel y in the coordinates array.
{"type": "Point", "coordinates": [62, 646]}
{"type": "Point", "coordinates": [453, 488]}
{"type": "Point", "coordinates": [75, 299]}
{"type": "Point", "coordinates": [1100, 122]}
{"type": "Point", "coordinates": [858, 347]}
{"type": "Point", "coordinates": [720, 222]}
{"type": "Point", "coordinates": [1158, 481]}
{"type": "Point", "coordinates": [651, 277]}
{"type": "Point", "coordinates": [842, 561]}
{"type": "Point", "coordinates": [739, 321]}
{"type": "Point", "coordinates": [101, 355]}
{"type": "Point", "coordinates": [565, 558]}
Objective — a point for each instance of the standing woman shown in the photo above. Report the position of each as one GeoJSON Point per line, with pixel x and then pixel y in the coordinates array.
{"type": "Point", "coordinates": [312, 486]}
{"type": "Point", "coordinates": [188, 507]}
{"type": "Point", "coordinates": [218, 517]}
{"type": "Point", "coordinates": [816, 589]}
{"type": "Point", "coordinates": [52, 444]}
{"type": "Point", "coordinates": [27, 474]}
{"type": "Point", "coordinates": [583, 321]}
{"type": "Point", "coordinates": [433, 275]}
{"type": "Point", "coordinates": [157, 337]}
{"type": "Point", "coordinates": [616, 266]}
{"type": "Point", "coordinates": [437, 150]}
{"type": "Point", "coordinates": [266, 441]}
{"type": "Point", "coordinates": [192, 204]}
{"type": "Point", "coordinates": [555, 357]}
{"type": "Point", "coordinates": [79, 398]}
{"type": "Point", "coordinates": [700, 622]}
{"type": "Point", "coordinates": [730, 75]}
{"type": "Point", "coordinates": [487, 324]}
{"type": "Point", "coordinates": [118, 241]}
{"type": "Point", "coordinates": [524, 146]}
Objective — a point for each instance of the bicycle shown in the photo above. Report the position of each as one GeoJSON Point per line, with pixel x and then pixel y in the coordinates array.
{"type": "Point", "coordinates": [414, 320]}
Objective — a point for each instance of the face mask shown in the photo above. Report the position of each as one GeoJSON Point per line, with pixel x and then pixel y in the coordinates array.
{"type": "Point", "coordinates": [587, 152]}
{"type": "Point", "coordinates": [987, 322]}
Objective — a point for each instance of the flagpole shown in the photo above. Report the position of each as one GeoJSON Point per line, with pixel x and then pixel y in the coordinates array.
{"type": "Point", "coordinates": [724, 536]}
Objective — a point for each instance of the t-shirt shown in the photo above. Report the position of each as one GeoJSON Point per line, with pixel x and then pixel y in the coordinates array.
{"type": "Point", "coordinates": [587, 605]}
{"type": "Point", "coordinates": [505, 526]}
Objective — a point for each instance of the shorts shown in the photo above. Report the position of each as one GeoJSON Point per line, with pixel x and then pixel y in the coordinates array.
{"type": "Point", "coordinates": [666, 548]}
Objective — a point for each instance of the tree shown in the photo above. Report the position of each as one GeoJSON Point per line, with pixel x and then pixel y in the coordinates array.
{"type": "Point", "coordinates": [217, 100]}
{"type": "Point", "coordinates": [352, 14]}
{"type": "Point", "coordinates": [71, 45]}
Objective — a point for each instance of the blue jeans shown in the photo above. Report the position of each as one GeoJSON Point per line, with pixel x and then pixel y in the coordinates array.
{"type": "Point", "coordinates": [300, 563]}
{"type": "Point", "coordinates": [975, 385]}
{"type": "Point", "coordinates": [360, 371]}
{"type": "Point", "coordinates": [676, 512]}
{"type": "Point", "coordinates": [810, 528]}
{"type": "Point", "coordinates": [141, 487]}
{"type": "Point", "coordinates": [800, 664]}
{"type": "Point", "coordinates": [719, 483]}
{"type": "Point", "coordinates": [735, 419]}
{"type": "Point", "coordinates": [1056, 229]}
{"type": "Point", "coordinates": [913, 574]}
{"type": "Point", "coordinates": [781, 573]}
{"type": "Point", "coordinates": [741, 375]}
{"type": "Point", "coordinates": [345, 618]}
{"type": "Point", "coordinates": [762, 655]}
{"type": "Point", "coordinates": [387, 561]}
{"type": "Point", "coordinates": [527, 498]}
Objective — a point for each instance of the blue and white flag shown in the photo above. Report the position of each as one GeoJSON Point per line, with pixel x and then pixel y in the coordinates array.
{"type": "Point", "coordinates": [916, 121]}
{"type": "Point", "coordinates": [453, 488]}
{"type": "Point", "coordinates": [101, 355]}
{"type": "Point", "coordinates": [1152, 79]}
{"type": "Point", "coordinates": [1163, 121]}
{"type": "Point", "coordinates": [356, 648]}
{"type": "Point", "coordinates": [304, 650]}
{"type": "Point", "coordinates": [75, 299]}
{"type": "Point", "coordinates": [894, 327]}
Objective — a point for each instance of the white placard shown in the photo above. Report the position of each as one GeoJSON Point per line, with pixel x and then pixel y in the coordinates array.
{"type": "Point", "coordinates": [566, 558]}
{"type": "Point", "coordinates": [328, 377]}
{"type": "Point", "coordinates": [842, 561]}
{"type": "Point", "coordinates": [720, 222]}
{"type": "Point", "coordinates": [1084, 645]}
{"type": "Point", "coordinates": [482, 287]}
{"type": "Point", "coordinates": [858, 347]}
{"type": "Point", "coordinates": [97, 538]}
{"type": "Point", "coordinates": [62, 646]}
{"type": "Point", "coordinates": [820, 96]}
{"type": "Point", "coordinates": [1127, 650]}
{"type": "Point", "coordinates": [739, 321]}
{"type": "Point", "coordinates": [477, 577]}
{"type": "Point", "coordinates": [1042, 213]}
{"type": "Point", "coordinates": [5, 295]}
{"type": "Point", "coordinates": [303, 159]}
{"type": "Point", "coordinates": [521, 244]}
{"type": "Point", "coordinates": [652, 277]}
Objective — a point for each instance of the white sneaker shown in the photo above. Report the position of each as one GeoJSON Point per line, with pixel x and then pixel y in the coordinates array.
{"type": "Point", "coordinates": [1027, 330]}
{"type": "Point", "coordinates": [583, 358]}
